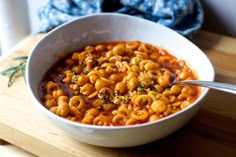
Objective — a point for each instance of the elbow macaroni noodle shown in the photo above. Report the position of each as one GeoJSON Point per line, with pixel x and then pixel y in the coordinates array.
{"type": "Point", "coordinates": [117, 83]}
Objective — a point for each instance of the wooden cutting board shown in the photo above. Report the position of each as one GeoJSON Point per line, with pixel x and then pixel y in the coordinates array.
{"type": "Point", "coordinates": [212, 132]}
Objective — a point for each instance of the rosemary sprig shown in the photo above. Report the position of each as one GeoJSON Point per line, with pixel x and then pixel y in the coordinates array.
{"type": "Point", "coordinates": [12, 71]}
{"type": "Point", "coordinates": [24, 58]}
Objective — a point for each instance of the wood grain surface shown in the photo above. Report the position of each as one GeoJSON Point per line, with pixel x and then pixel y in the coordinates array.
{"type": "Point", "coordinates": [212, 132]}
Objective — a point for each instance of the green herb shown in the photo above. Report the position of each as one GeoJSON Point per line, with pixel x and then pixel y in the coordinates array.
{"type": "Point", "coordinates": [12, 71]}
{"type": "Point", "coordinates": [152, 87]}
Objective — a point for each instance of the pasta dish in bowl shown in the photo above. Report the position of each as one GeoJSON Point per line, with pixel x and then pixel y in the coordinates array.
{"type": "Point", "coordinates": [104, 83]}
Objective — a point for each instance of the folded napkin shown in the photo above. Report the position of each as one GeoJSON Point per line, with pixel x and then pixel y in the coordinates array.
{"type": "Point", "coordinates": [183, 16]}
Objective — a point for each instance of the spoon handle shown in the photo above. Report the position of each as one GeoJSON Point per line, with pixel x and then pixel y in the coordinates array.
{"type": "Point", "coordinates": [226, 87]}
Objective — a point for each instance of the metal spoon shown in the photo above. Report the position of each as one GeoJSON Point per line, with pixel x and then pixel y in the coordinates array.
{"type": "Point", "coordinates": [226, 87]}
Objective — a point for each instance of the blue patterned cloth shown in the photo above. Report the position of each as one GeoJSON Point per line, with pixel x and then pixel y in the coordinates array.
{"type": "Point", "coordinates": [183, 16]}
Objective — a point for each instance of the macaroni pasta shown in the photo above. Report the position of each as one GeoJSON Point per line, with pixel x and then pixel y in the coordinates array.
{"type": "Point", "coordinates": [117, 83]}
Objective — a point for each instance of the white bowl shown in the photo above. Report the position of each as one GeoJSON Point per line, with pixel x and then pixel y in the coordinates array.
{"type": "Point", "coordinates": [105, 27]}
